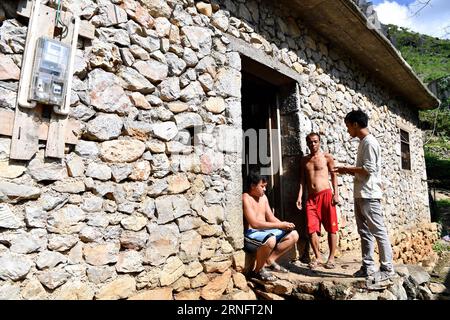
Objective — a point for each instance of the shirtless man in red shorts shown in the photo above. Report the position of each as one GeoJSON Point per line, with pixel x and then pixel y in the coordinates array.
{"type": "Point", "coordinates": [321, 202]}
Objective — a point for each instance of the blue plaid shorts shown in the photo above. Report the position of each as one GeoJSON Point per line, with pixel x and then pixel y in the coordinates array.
{"type": "Point", "coordinates": [254, 238]}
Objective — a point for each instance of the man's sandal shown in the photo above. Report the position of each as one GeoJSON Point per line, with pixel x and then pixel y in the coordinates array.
{"type": "Point", "coordinates": [313, 265]}
{"type": "Point", "coordinates": [330, 265]}
{"type": "Point", "coordinates": [265, 275]}
{"type": "Point", "coordinates": [276, 267]}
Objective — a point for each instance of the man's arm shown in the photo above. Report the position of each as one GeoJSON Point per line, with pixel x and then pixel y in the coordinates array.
{"type": "Point", "coordinates": [370, 158]}
{"type": "Point", "coordinates": [302, 183]}
{"type": "Point", "coordinates": [251, 217]}
{"type": "Point", "coordinates": [350, 170]}
{"type": "Point", "coordinates": [369, 165]}
{"type": "Point", "coordinates": [334, 182]}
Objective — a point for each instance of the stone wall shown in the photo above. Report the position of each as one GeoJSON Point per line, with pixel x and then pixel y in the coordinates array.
{"type": "Point", "coordinates": [137, 204]}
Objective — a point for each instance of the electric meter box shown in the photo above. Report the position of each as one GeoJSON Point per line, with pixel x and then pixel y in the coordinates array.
{"type": "Point", "coordinates": [49, 77]}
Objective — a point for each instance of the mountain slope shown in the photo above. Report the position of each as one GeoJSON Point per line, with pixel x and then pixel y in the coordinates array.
{"type": "Point", "coordinates": [429, 57]}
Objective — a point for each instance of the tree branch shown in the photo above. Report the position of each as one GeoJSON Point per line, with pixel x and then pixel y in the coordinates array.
{"type": "Point", "coordinates": [424, 4]}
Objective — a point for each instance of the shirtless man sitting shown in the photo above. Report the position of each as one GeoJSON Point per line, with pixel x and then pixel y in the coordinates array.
{"type": "Point", "coordinates": [264, 233]}
{"type": "Point", "coordinates": [321, 202]}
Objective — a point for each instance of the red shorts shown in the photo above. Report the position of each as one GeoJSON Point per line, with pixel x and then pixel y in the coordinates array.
{"type": "Point", "coordinates": [319, 209]}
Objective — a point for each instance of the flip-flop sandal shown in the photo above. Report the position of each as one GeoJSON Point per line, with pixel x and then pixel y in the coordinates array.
{"type": "Point", "coordinates": [330, 265]}
{"type": "Point", "coordinates": [276, 267]}
{"type": "Point", "coordinates": [313, 265]}
{"type": "Point", "coordinates": [265, 275]}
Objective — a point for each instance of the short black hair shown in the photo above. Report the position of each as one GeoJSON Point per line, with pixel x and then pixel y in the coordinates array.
{"type": "Point", "coordinates": [254, 177]}
{"type": "Point", "coordinates": [357, 116]}
{"type": "Point", "coordinates": [312, 134]}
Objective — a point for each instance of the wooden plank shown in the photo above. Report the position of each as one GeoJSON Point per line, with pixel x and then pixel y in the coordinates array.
{"type": "Point", "coordinates": [71, 131]}
{"type": "Point", "coordinates": [72, 128]}
{"type": "Point", "coordinates": [29, 127]}
{"type": "Point", "coordinates": [25, 140]}
{"type": "Point", "coordinates": [25, 137]}
{"type": "Point", "coordinates": [56, 136]}
{"type": "Point", "coordinates": [87, 30]}
{"type": "Point", "coordinates": [57, 127]}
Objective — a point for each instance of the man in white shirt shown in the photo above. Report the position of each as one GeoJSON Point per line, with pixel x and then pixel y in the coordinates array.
{"type": "Point", "coordinates": [368, 193]}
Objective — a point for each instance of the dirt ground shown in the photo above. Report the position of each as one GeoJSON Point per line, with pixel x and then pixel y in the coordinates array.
{"type": "Point", "coordinates": [441, 194]}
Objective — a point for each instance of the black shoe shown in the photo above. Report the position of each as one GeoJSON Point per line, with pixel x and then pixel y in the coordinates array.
{"type": "Point", "coordinates": [381, 276]}
{"type": "Point", "coordinates": [362, 273]}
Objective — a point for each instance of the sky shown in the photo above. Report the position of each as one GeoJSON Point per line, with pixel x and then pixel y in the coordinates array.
{"type": "Point", "coordinates": [433, 20]}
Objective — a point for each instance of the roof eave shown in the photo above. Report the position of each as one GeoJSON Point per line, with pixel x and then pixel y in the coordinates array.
{"type": "Point", "coordinates": [433, 101]}
{"type": "Point", "coordinates": [343, 23]}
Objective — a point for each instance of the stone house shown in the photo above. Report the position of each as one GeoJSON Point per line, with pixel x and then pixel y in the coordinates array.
{"type": "Point", "coordinates": [147, 200]}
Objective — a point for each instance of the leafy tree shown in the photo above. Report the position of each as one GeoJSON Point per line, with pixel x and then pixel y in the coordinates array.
{"type": "Point", "coordinates": [430, 59]}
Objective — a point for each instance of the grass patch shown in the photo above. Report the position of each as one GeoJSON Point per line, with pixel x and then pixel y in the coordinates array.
{"type": "Point", "coordinates": [440, 246]}
{"type": "Point", "coordinates": [442, 216]}
{"type": "Point", "coordinates": [443, 203]}
{"type": "Point", "coordinates": [441, 144]}
{"type": "Point", "coordinates": [438, 170]}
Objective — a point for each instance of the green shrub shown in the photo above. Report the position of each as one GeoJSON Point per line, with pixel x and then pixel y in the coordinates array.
{"type": "Point", "coordinates": [438, 170]}
{"type": "Point", "coordinates": [440, 246]}
{"type": "Point", "coordinates": [427, 55]}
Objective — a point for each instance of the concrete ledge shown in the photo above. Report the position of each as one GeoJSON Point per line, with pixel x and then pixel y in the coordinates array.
{"type": "Point", "coordinates": [277, 73]}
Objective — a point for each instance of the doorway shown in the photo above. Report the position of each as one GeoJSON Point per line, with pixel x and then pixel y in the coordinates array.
{"type": "Point", "coordinates": [261, 130]}
{"type": "Point", "coordinates": [270, 100]}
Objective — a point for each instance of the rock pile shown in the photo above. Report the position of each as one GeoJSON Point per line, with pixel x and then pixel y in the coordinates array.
{"type": "Point", "coordinates": [411, 283]}
{"type": "Point", "coordinates": [416, 246]}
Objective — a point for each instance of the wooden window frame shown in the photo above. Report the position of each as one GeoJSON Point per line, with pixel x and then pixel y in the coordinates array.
{"type": "Point", "coordinates": [405, 140]}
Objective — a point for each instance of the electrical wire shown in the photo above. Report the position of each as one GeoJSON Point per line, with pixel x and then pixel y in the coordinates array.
{"type": "Point", "coordinates": [60, 23]}
{"type": "Point", "coordinates": [434, 124]}
{"type": "Point", "coordinates": [438, 109]}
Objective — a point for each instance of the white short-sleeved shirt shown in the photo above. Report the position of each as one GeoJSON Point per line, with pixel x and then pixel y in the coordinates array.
{"type": "Point", "coordinates": [369, 157]}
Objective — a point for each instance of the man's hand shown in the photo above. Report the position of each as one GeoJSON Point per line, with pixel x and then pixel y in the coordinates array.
{"type": "Point", "coordinates": [287, 225]}
{"type": "Point", "coordinates": [335, 200]}
{"type": "Point", "coordinates": [341, 170]}
{"type": "Point", "coordinates": [299, 204]}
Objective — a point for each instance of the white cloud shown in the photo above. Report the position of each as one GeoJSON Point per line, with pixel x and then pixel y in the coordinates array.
{"type": "Point", "coordinates": [433, 20]}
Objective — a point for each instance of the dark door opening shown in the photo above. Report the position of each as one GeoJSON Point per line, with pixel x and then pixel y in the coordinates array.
{"type": "Point", "coordinates": [270, 100]}
{"type": "Point", "coordinates": [260, 124]}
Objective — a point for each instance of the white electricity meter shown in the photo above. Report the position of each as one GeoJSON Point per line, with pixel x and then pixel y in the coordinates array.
{"type": "Point", "coordinates": [50, 72]}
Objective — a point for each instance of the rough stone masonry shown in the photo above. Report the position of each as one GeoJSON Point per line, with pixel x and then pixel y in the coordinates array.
{"type": "Point", "coordinates": [135, 209]}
